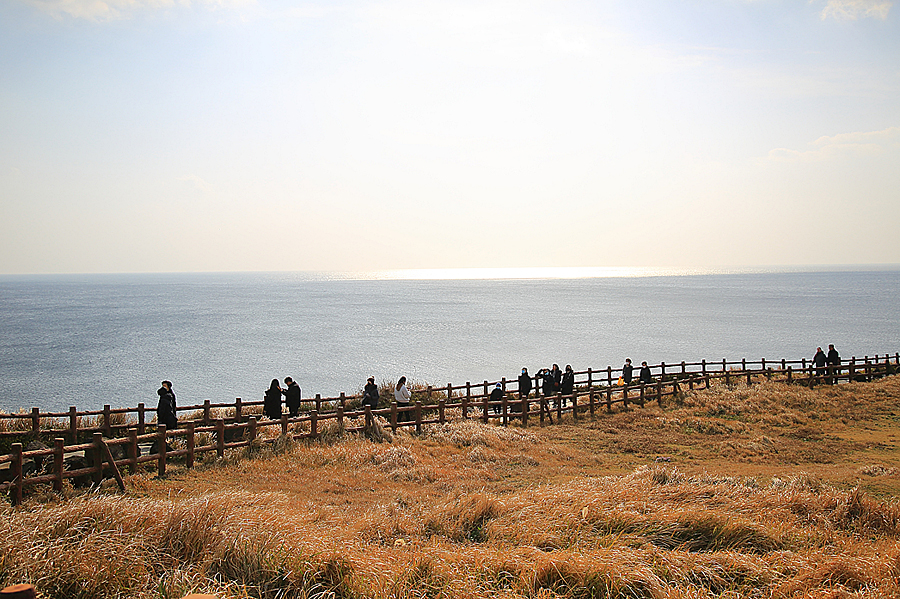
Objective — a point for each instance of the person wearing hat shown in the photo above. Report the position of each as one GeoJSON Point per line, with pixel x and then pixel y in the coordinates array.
{"type": "Point", "coordinates": [497, 397]}
{"type": "Point", "coordinates": [292, 396]}
{"type": "Point", "coordinates": [370, 394]}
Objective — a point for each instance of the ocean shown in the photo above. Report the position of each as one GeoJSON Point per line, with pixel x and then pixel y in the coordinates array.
{"type": "Point", "coordinates": [90, 340]}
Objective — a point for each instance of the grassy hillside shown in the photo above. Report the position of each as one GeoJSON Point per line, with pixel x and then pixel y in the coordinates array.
{"type": "Point", "coordinates": [767, 491]}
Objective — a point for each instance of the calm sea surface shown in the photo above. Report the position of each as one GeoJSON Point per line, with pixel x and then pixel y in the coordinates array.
{"type": "Point", "coordinates": [91, 340]}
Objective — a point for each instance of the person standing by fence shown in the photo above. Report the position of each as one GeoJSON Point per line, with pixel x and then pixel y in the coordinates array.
{"type": "Point", "coordinates": [645, 377]}
{"type": "Point", "coordinates": [292, 396]}
{"type": "Point", "coordinates": [272, 401]}
{"type": "Point", "coordinates": [524, 387]}
{"type": "Point", "coordinates": [834, 364]}
{"type": "Point", "coordinates": [627, 371]}
{"type": "Point", "coordinates": [165, 409]}
{"type": "Point", "coordinates": [370, 394]}
{"type": "Point", "coordinates": [567, 386]}
{"type": "Point", "coordinates": [402, 397]}
{"type": "Point", "coordinates": [819, 360]}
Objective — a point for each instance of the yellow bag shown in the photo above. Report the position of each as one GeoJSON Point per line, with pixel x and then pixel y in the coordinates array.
{"type": "Point", "coordinates": [621, 381]}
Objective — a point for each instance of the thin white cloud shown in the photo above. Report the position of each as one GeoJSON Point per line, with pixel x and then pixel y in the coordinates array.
{"type": "Point", "coordinates": [856, 143]}
{"type": "Point", "coordinates": [111, 10]}
{"type": "Point", "coordinates": [197, 182]}
{"type": "Point", "coordinates": [844, 10]}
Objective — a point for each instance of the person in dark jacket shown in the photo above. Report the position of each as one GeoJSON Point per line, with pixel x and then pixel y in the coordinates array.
{"type": "Point", "coordinates": [645, 377]}
{"type": "Point", "coordinates": [370, 394]}
{"type": "Point", "coordinates": [819, 360]}
{"type": "Point", "coordinates": [497, 398]}
{"type": "Point", "coordinates": [272, 401]}
{"type": "Point", "coordinates": [165, 409]}
{"type": "Point", "coordinates": [627, 371]}
{"type": "Point", "coordinates": [834, 363]}
{"type": "Point", "coordinates": [567, 385]}
{"type": "Point", "coordinates": [545, 377]}
{"type": "Point", "coordinates": [292, 396]}
{"type": "Point", "coordinates": [524, 384]}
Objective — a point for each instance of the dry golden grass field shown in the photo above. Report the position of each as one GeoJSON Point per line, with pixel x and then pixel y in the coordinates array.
{"type": "Point", "coordinates": [762, 491]}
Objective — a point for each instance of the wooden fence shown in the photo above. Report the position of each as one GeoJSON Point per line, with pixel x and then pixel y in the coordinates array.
{"type": "Point", "coordinates": [113, 447]}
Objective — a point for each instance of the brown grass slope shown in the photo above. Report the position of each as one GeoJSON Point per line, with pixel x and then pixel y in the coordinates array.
{"type": "Point", "coordinates": [766, 491]}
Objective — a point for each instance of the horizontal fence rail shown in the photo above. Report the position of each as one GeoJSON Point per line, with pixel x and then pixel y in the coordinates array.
{"type": "Point", "coordinates": [116, 442]}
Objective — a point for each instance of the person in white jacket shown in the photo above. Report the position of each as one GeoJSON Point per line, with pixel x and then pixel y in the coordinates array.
{"type": "Point", "coordinates": [402, 397]}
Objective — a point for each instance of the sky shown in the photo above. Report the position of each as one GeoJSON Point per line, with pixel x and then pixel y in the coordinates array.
{"type": "Point", "coordinates": [266, 135]}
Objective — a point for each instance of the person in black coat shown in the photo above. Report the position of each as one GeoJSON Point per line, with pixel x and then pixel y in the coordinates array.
{"type": "Point", "coordinates": [497, 398]}
{"type": "Point", "coordinates": [627, 371]}
{"type": "Point", "coordinates": [819, 360]}
{"type": "Point", "coordinates": [567, 385]}
{"type": "Point", "coordinates": [272, 401]}
{"type": "Point", "coordinates": [370, 394]}
{"type": "Point", "coordinates": [834, 362]}
{"type": "Point", "coordinates": [165, 409]}
{"type": "Point", "coordinates": [645, 376]}
{"type": "Point", "coordinates": [524, 384]}
{"type": "Point", "coordinates": [291, 396]}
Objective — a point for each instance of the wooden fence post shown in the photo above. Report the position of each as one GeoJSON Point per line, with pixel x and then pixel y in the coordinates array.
{"type": "Point", "coordinates": [343, 400]}
{"type": "Point", "coordinates": [484, 404]}
{"type": "Point", "coordinates": [525, 408]}
{"type": "Point", "coordinates": [101, 451]}
{"type": "Point", "coordinates": [251, 429]}
{"type": "Point", "coordinates": [575, 406]}
{"type": "Point", "coordinates": [394, 416]}
{"type": "Point", "coordinates": [683, 368]}
{"type": "Point", "coordinates": [449, 393]}
{"type": "Point", "coordinates": [662, 370]}
{"type": "Point", "coordinates": [441, 405]}
{"type": "Point", "coordinates": [659, 394]}
{"type": "Point", "coordinates": [142, 419]}
{"type": "Point", "coordinates": [206, 414]}
{"type": "Point", "coordinates": [97, 453]}
{"type": "Point", "coordinates": [189, 462]}
{"type": "Point", "coordinates": [466, 400]}
{"type": "Point", "coordinates": [643, 394]}
{"type": "Point", "coordinates": [590, 381]}
{"type": "Point", "coordinates": [16, 467]}
{"type": "Point", "coordinates": [504, 408]}
{"type": "Point", "coordinates": [220, 437]}
{"type": "Point", "coordinates": [625, 396]}
{"type": "Point", "coordinates": [340, 417]}
{"type": "Point", "coordinates": [284, 424]}
{"type": "Point", "coordinates": [418, 417]}
{"type": "Point", "coordinates": [36, 420]}
{"type": "Point", "coordinates": [238, 408]}
{"type": "Point", "coordinates": [790, 374]}
{"type": "Point", "coordinates": [318, 402]}
{"type": "Point", "coordinates": [58, 464]}
{"type": "Point", "coordinates": [609, 376]}
{"type": "Point", "coordinates": [314, 424]}
{"type": "Point", "coordinates": [609, 398]}
{"type": "Point", "coordinates": [73, 425]}
{"type": "Point", "coordinates": [161, 449]}
{"type": "Point", "coordinates": [107, 421]}
{"type": "Point", "coordinates": [132, 450]}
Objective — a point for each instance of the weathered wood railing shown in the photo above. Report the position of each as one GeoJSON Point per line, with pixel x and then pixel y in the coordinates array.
{"type": "Point", "coordinates": [593, 391]}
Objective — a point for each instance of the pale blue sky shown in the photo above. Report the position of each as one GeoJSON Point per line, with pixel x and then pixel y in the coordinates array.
{"type": "Point", "coordinates": [176, 135]}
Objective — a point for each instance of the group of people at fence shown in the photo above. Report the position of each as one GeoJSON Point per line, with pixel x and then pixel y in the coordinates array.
{"type": "Point", "coordinates": [546, 383]}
